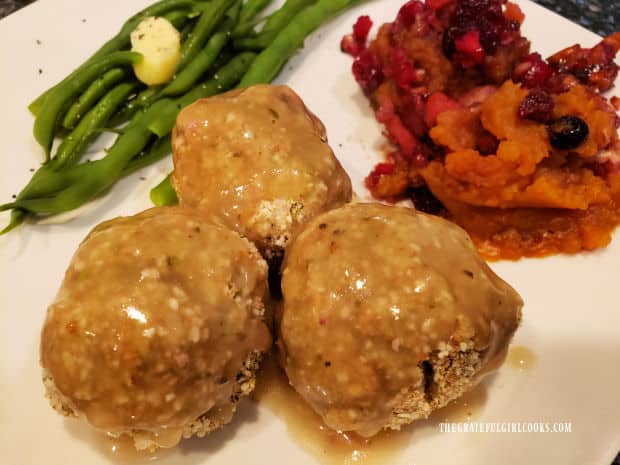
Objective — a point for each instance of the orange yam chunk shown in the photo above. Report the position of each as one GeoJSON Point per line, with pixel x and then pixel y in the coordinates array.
{"type": "Point", "coordinates": [523, 143]}
{"type": "Point", "coordinates": [456, 129]}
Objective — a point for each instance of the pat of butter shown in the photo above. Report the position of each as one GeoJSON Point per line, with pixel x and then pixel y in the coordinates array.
{"type": "Point", "coordinates": [160, 45]}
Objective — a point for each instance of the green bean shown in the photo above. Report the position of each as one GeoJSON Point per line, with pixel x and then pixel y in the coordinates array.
{"type": "Point", "coordinates": [164, 194]}
{"type": "Point", "coordinates": [274, 24]}
{"type": "Point", "coordinates": [187, 29]}
{"type": "Point", "coordinates": [256, 42]}
{"type": "Point", "coordinates": [87, 180]}
{"type": "Point", "coordinates": [251, 9]}
{"type": "Point", "coordinates": [283, 16]}
{"type": "Point", "coordinates": [246, 28]}
{"type": "Point", "coordinates": [206, 23]}
{"type": "Point", "coordinates": [160, 149]}
{"type": "Point", "coordinates": [178, 18]}
{"type": "Point", "coordinates": [224, 79]}
{"type": "Point", "coordinates": [224, 57]}
{"type": "Point", "coordinates": [119, 41]}
{"type": "Point", "coordinates": [271, 60]}
{"type": "Point", "coordinates": [47, 119]}
{"type": "Point", "coordinates": [247, 19]}
{"type": "Point", "coordinates": [72, 147]}
{"type": "Point", "coordinates": [91, 95]}
{"type": "Point", "coordinates": [200, 64]}
{"type": "Point", "coordinates": [133, 105]}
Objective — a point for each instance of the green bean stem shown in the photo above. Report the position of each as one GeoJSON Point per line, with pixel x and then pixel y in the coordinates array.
{"type": "Point", "coordinates": [91, 95]}
{"type": "Point", "coordinates": [48, 118]}
{"type": "Point", "coordinates": [271, 60]}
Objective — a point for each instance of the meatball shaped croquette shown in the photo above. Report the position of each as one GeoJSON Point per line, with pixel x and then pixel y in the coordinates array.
{"type": "Point", "coordinates": [158, 327]}
{"type": "Point", "coordinates": [388, 314]}
{"type": "Point", "coordinates": [257, 160]}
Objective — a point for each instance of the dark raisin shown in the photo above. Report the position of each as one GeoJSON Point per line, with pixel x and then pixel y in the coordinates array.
{"type": "Point", "coordinates": [567, 132]}
{"type": "Point", "coordinates": [536, 106]}
{"type": "Point", "coordinates": [424, 200]}
{"type": "Point", "coordinates": [487, 143]}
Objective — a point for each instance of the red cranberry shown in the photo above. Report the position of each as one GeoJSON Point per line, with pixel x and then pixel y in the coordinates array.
{"type": "Point", "coordinates": [411, 112]}
{"type": "Point", "coordinates": [437, 103]}
{"type": "Point", "coordinates": [484, 17]}
{"type": "Point", "coordinates": [469, 48]}
{"type": "Point", "coordinates": [367, 70]}
{"type": "Point", "coordinates": [408, 12]}
{"type": "Point", "coordinates": [402, 68]}
{"type": "Point", "coordinates": [380, 169]}
{"type": "Point", "coordinates": [361, 28]}
{"type": "Point", "coordinates": [355, 43]}
{"type": "Point", "coordinates": [349, 45]}
{"type": "Point", "coordinates": [533, 71]}
{"type": "Point", "coordinates": [536, 106]}
{"type": "Point", "coordinates": [438, 4]}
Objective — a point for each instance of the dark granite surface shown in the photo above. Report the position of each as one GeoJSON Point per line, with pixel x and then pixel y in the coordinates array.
{"type": "Point", "coordinates": [600, 16]}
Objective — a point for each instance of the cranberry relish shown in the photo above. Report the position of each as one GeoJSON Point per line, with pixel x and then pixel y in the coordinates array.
{"type": "Point", "coordinates": [481, 41]}
{"type": "Point", "coordinates": [442, 55]}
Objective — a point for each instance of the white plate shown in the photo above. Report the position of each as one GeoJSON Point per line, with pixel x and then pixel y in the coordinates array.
{"type": "Point", "coordinates": [571, 318]}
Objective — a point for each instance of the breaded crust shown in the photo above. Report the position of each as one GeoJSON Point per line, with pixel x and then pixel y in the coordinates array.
{"type": "Point", "coordinates": [143, 440]}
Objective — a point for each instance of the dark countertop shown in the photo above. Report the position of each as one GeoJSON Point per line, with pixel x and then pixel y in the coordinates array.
{"type": "Point", "coordinates": [600, 16]}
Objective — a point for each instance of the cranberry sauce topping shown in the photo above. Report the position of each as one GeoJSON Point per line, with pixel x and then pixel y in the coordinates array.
{"type": "Point", "coordinates": [379, 170]}
{"type": "Point", "coordinates": [355, 43]}
{"type": "Point", "coordinates": [536, 106]}
{"type": "Point", "coordinates": [532, 71]}
{"type": "Point", "coordinates": [477, 28]}
{"type": "Point", "coordinates": [368, 71]}
{"type": "Point", "coordinates": [594, 66]}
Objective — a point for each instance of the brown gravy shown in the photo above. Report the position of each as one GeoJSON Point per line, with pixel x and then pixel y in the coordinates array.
{"type": "Point", "coordinates": [336, 448]}
{"type": "Point", "coordinates": [521, 357]}
{"type": "Point", "coordinates": [118, 450]}
{"type": "Point", "coordinates": [306, 427]}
